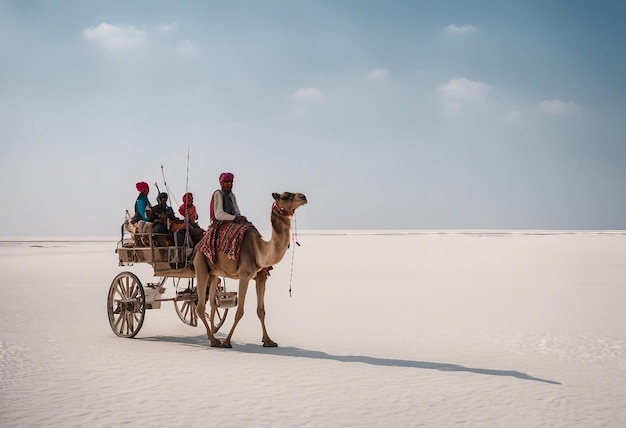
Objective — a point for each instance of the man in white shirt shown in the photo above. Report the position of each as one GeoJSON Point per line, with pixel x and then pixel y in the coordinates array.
{"type": "Point", "coordinates": [224, 203]}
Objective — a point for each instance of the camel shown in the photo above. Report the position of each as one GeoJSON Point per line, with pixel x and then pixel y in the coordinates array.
{"type": "Point", "coordinates": [256, 255]}
{"type": "Point", "coordinates": [128, 226]}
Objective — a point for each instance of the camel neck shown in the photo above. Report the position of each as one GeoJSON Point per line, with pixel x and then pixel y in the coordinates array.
{"type": "Point", "coordinates": [281, 226]}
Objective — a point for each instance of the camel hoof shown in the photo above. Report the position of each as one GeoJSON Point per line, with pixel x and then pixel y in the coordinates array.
{"type": "Point", "coordinates": [270, 344]}
{"type": "Point", "coordinates": [226, 345]}
{"type": "Point", "coordinates": [216, 344]}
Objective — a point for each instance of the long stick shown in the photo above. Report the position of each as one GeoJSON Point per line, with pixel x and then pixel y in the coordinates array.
{"type": "Point", "coordinates": [187, 236]}
{"type": "Point", "coordinates": [187, 178]}
{"type": "Point", "coordinates": [168, 187]}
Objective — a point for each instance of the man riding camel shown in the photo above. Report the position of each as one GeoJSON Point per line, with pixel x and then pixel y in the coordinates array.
{"type": "Point", "coordinates": [224, 203]}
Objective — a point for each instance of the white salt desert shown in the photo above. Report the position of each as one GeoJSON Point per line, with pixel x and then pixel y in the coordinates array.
{"type": "Point", "coordinates": [391, 328]}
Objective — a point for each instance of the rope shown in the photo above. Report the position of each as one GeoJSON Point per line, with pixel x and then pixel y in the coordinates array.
{"type": "Point", "coordinates": [295, 229]}
{"type": "Point", "coordinates": [294, 238]}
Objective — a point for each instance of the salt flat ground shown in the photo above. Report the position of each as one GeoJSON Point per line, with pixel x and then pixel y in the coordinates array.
{"type": "Point", "coordinates": [424, 328]}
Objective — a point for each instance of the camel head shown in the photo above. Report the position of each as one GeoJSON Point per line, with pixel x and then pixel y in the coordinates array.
{"type": "Point", "coordinates": [128, 226]}
{"type": "Point", "coordinates": [288, 202]}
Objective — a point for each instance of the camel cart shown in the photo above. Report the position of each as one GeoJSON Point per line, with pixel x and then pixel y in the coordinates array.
{"type": "Point", "coordinates": [128, 298]}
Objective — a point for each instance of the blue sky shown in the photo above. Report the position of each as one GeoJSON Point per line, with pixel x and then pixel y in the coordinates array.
{"type": "Point", "coordinates": [386, 114]}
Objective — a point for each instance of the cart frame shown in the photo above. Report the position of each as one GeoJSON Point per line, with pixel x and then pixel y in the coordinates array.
{"type": "Point", "coordinates": [128, 299]}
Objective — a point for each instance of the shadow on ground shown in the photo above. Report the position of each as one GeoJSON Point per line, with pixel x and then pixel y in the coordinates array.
{"type": "Point", "coordinates": [248, 348]}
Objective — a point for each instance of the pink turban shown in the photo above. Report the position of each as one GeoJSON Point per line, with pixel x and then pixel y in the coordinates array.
{"type": "Point", "coordinates": [142, 186]}
{"type": "Point", "coordinates": [186, 196]}
{"type": "Point", "coordinates": [226, 176]}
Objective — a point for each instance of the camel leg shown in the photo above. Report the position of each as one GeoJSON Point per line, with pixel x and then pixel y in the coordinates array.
{"type": "Point", "coordinates": [202, 278]}
{"type": "Point", "coordinates": [213, 281]}
{"type": "Point", "coordinates": [243, 288]}
{"type": "Point", "coordinates": [260, 307]}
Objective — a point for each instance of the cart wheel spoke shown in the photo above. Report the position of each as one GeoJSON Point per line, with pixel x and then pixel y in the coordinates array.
{"type": "Point", "coordinates": [220, 317]}
{"type": "Point", "coordinates": [186, 300]}
{"type": "Point", "coordinates": [186, 303]}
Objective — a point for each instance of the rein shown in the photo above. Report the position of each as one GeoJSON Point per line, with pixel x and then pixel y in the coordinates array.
{"type": "Point", "coordinates": [294, 238]}
{"type": "Point", "coordinates": [281, 212]}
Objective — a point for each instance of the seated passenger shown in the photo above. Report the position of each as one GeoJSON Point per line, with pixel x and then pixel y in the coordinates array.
{"type": "Point", "coordinates": [143, 209]}
{"type": "Point", "coordinates": [189, 212]}
{"type": "Point", "coordinates": [164, 219]}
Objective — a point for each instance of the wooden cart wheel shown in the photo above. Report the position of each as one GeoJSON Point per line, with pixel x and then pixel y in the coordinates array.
{"type": "Point", "coordinates": [126, 305]}
{"type": "Point", "coordinates": [186, 303]}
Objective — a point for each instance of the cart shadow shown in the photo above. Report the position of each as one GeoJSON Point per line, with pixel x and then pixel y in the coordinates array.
{"type": "Point", "coordinates": [248, 348]}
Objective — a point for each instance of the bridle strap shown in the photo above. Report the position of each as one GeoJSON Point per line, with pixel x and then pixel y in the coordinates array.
{"type": "Point", "coordinates": [278, 210]}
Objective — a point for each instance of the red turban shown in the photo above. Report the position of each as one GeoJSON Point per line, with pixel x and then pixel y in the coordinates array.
{"type": "Point", "coordinates": [141, 186]}
{"type": "Point", "coordinates": [187, 195]}
{"type": "Point", "coordinates": [226, 176]}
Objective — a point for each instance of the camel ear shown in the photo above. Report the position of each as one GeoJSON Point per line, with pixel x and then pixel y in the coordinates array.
{"type": "Point", "coordinates": [276, 196]}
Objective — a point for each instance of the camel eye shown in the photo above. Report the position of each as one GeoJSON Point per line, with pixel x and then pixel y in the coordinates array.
{"type": "Point", "coordinates": [285, 196]}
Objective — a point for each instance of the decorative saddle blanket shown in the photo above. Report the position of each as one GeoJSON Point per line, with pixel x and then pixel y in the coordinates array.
{"type": "Point", "coordinates": [223, 237]}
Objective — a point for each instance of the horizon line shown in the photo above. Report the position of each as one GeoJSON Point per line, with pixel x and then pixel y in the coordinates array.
{"type": "Point", "coordinates": [339, 232]}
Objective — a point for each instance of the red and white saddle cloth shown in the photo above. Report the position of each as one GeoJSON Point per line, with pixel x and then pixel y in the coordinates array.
{"type": "Point", "coordinates": [223, 237]}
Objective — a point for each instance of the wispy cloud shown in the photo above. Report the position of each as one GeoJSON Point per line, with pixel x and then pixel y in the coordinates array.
{"type": "Point", "coordinates": [165, 28]}
{"type": "Point", "coordinates": [557, 107]}
{"type": "Point", "coordinates": [459, 31]}
{"type": "Point", "coordinates": [114, 37]}
{"type": "Point", "coordinates": [463, 89]}
{"type": "Point", "coordinates": [457, 92]}
{"type": "Point", "coordinates": [308, 94]}
{"type": "Point", "coordinates": [378, 74]}
{"type": "Point", "coordinates": [187, 48]}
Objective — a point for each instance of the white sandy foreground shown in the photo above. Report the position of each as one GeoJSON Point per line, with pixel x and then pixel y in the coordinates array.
{"type": "Point", "coordinates": [383, 329]}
